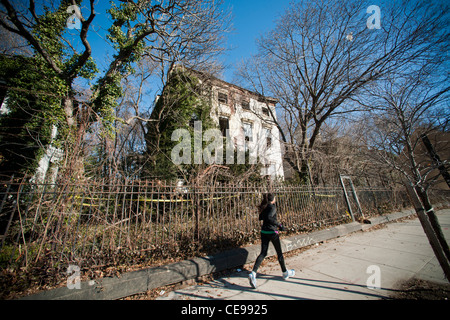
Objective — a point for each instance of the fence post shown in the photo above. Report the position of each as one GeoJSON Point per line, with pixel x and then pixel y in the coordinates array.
{"type": "Point", "coordinates": [431, 235]}
{"type": "Point", "coordinates": [196, 211]}
{"type": "Point", "coordinates": [356, 197]}
{"type": "Point", "coordinates": [346, 197]}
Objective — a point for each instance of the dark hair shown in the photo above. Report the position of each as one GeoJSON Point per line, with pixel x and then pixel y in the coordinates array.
{"type": "Point", "coordinates": [267, 198]}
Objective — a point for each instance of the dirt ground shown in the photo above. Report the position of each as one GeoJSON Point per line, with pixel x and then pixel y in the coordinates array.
{"type": "Point", "coordinates": [415, 289]}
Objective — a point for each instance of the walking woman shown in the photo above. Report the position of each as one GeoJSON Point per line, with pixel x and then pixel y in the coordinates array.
{"type": "Point", "coordinates": [269, 233]}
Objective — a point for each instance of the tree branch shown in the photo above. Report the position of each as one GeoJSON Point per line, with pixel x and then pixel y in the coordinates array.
{"type": "Point", "coordinates": [22, 31]}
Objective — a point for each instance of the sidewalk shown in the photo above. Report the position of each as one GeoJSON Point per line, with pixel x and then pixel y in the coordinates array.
{"type": "Point", "coordinates": [337, 269]}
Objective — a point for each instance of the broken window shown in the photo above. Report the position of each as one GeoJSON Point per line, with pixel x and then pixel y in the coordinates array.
{"type": "Point", "coordinates": [224, 125]}
{"type": "Point", "coordinates": [194, 117]}
{"type": "Point", "coordinates": [245, 104]}
{"type": "Point", "coordinates": [248, 131]}
{"type": "Point", "coordinates": [267, 169]}
{"type": "Point", "coordinates": [223, 98]}
{"type": "Point", "coordinates": [268, 137]}
{"type": "Point", "coordinates": [248, 134]}
{"type": "Point", "coordinates": [3, 93]}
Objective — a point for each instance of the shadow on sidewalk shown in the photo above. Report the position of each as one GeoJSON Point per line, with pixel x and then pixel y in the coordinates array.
{"type": "Point", "coordinates": [239, 291]}
{"type": "Point", "coordinates": [322, 284]}
{"type": "Point", "coordinates": [223, 284]}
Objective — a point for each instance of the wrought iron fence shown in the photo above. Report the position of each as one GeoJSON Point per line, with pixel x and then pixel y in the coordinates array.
{"type": "Point", "coordinates": [129, 222]}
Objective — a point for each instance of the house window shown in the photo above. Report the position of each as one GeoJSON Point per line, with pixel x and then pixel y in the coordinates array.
{"type": "Point", "coordinates": [245, 104]}
{"type": "Point", "coordinates": [194, 117]}
{"type": "Point", "coordinates": [267, 170]}
{"type": "Point", "coordinates": [248, 134]}
{"type": "Point", "coordinates": [265, 111]}
{"type": "Point", "coordinates": [224, 125]}
{"type": "Point", "coordinates": [268, 137]}
{"type": "Point", "coordinates": [3, 108]}
{"type": "Point", "coordinates": [223, 98]}
{"type": "Point", "coordinates": [248, 131]}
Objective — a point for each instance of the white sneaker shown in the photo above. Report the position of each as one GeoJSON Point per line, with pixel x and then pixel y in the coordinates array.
{"type": "Point", "coordinates": [288, 273]}
{"type": "Point", "coordinates": [252, 279]}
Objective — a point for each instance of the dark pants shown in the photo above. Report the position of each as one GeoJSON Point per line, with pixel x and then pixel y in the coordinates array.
{"type": "Point", "coordinates": [265, 240]}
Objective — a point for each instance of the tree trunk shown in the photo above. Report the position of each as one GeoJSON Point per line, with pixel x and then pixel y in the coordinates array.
{"type": "Point", "coordinates": [68, 111]}
{"type": "Point", "coordinates": [73, 146]}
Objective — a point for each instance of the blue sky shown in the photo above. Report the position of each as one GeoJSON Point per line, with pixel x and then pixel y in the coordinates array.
{"type": "Point", "coordinates": [250, 19]}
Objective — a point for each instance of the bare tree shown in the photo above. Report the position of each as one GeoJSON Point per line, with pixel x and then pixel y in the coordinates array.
{"type": "Point", "coordinates": [322, 54]}
{"type": "Point", "coordinates": [403, 108]}
{"type": "Point", "coordinates": [340, 151]}
{"type": "Point", "coordinates": [124, 148]}
{"type": "Point", "coordinates": [167, 32]}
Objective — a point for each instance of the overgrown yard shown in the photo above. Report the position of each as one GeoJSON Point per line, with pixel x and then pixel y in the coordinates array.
{"type": "Point", "coordinates": [107, 230]}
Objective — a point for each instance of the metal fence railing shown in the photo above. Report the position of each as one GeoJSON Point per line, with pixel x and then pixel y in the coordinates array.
{"type": "Point", "coordinates": [130, 222]}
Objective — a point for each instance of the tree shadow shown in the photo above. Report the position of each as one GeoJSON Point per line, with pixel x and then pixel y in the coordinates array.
{"type": "Point", "coordinates": [327, 285]}
{"type": "Point", "coordinates": [223, 284]}
{"type": "Point", "coordinates": [347, 287]}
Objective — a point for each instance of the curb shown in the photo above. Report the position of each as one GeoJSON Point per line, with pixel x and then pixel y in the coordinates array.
{"type": "Point", "coordinates": [135, 282]}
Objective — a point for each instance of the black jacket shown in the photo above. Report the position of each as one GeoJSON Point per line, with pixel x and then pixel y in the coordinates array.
{"type": "Point", "coordinates": [269, 218]}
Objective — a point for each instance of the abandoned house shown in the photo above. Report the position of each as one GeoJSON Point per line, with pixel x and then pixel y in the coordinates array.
{"type": "Point", "coordinates": [248, 119]}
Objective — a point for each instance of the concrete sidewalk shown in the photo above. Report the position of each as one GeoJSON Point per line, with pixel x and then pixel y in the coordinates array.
{"type": "Point", "coordinates": [337, 269]}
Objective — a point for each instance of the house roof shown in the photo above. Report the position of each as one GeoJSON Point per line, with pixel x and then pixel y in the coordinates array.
{"type": "Point", "coordinates": [223, 83]}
